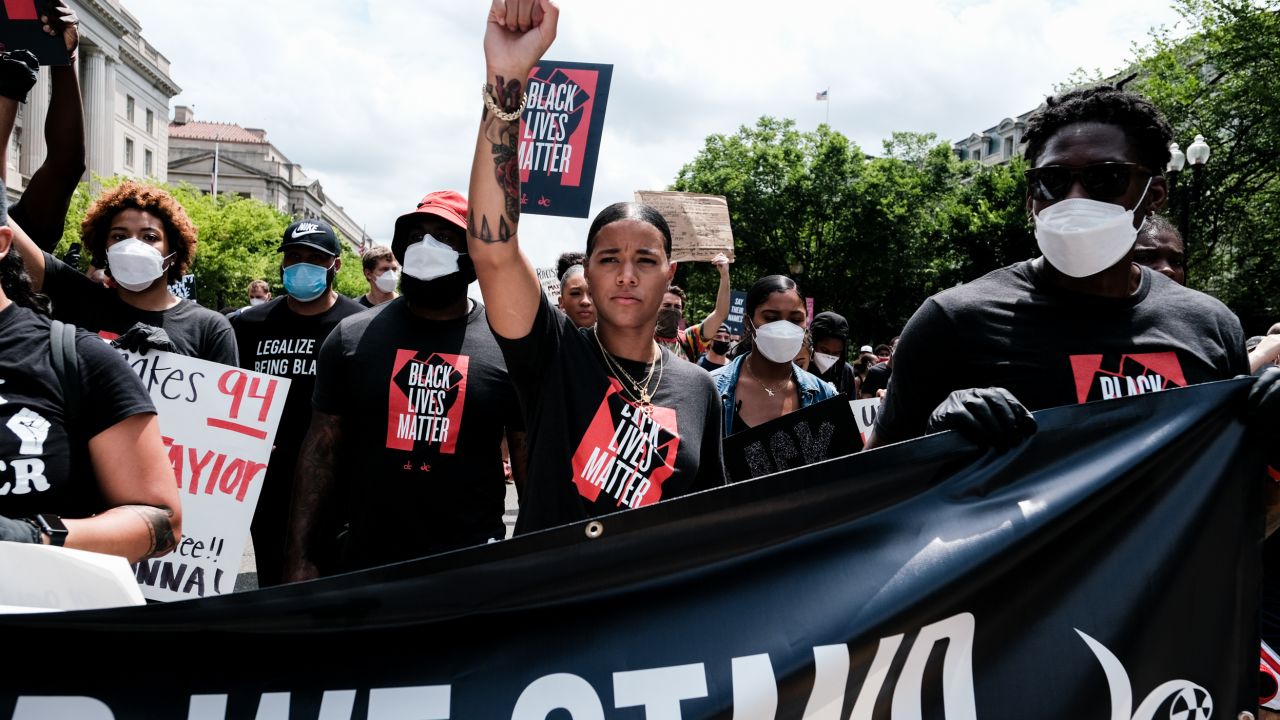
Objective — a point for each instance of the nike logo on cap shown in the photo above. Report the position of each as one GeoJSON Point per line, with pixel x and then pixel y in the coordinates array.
{"type": "Point", "coordinates": [306, 229]}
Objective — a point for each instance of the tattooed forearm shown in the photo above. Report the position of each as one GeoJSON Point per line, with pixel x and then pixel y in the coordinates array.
{"type": "Point", "coordinates": [313, 482]}
{"type": "Point", "coordinates": [159, 522]}
{"type": "Point", "coordinates": [504, 142]}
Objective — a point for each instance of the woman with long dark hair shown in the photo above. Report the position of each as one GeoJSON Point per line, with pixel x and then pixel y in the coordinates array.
{"type": "Point", "coordinates": [614, 422]}
{"type": "Point", "coordinates": [763, 382]}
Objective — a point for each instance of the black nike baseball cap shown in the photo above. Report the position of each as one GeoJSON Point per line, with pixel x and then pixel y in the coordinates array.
{"type": "Point", "coordinates": [312, 233]}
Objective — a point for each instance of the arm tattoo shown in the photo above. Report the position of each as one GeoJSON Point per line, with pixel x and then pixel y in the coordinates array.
{"type": "Point", "coordinates": [314, 481]}
{"type": "Point", "coordinates": [504, 143]}
{"type": "Point", "coordinates": [159, 526]}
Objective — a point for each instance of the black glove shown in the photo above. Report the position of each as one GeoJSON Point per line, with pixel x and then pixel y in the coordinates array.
{"type": "Point", "coordinates": [18, 74]}
{"type": "Point", "coordinates": [18, 531]}
{"type": "Point", "coordinates": [1264, 402]}
{"type": "Point", "coordinates": [988, 416]}
{"type": "Point", "coordinates": [143, 337]}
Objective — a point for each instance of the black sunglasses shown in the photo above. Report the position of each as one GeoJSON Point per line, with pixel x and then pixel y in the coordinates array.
{"type": "Point", "coordinates": [1104, 181]}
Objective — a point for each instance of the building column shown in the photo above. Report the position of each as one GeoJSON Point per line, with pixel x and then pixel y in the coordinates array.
{"type": "Point", "coordinates": [37, 109]}
{"type": "Point", "coordinates": [98, 113]}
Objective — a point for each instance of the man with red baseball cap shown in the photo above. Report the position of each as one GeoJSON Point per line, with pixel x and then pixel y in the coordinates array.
{"type": "Point", "coordinates": [411, 406]}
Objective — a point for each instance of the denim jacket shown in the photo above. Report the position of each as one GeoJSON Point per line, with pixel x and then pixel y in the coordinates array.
{"type": "Point", "coordinates": [812, 388]}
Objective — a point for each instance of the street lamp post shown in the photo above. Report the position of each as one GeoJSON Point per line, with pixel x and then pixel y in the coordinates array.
{"type": "Point", "coordinates": [1197, 155]}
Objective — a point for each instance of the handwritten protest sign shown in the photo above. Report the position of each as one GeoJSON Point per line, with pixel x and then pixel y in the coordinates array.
{"type": "Point", "coordinates": [550, 284]}
{"type": "Point", "coordinates": [560, 137]}
{"type": "Point", "coordinates": [218, 424]}
{"type": "Point", "coordinates": [699, 223]}
{"type": "Point", "coordinates": [819, 432]}
{"type": "Point", "coordinates": [21, 29]}
{"type": "Point", "coordinates": [865, 412]}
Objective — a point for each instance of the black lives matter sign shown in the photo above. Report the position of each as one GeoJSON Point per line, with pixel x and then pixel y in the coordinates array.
{"type": "Point", "coordinates": [21, 29]}
{"type": "Point", "coordinates": [560, 137]}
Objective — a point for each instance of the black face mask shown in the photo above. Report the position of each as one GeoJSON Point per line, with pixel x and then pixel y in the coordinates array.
{"type": "Point", "coordinates": [720, 347]}
{"type": "Point", "coordinates": [441, 292]}
{"type": "Point", "coordinates": [668, 323]}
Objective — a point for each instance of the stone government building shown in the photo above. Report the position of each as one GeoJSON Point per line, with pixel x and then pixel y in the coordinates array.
{"type": "Point", "coordinates": [126, 87]}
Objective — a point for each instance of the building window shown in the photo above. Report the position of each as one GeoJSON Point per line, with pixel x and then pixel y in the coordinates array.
{"type": "Point", "coordinates": [128, 152]}
{"type": "Point", "coordinates": [128, 107]}
{"type": "Point", "coordinates": [151, 122]}
{"type": "Point", "coordinates": [149, 161]}
{"type": "Point", "coordinates": [1008, 148]}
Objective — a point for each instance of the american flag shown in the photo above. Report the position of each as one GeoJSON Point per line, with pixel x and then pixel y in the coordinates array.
{"type": "Point", "coordinates": [822, 95]}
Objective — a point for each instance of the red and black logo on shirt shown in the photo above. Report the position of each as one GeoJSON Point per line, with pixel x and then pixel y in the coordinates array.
{"type": "Point", "coordinates": [426, 400]}
{"type": "Point", "coordinates": [626, 453]}
{"type": "Point", "coordinates": [1103, 377]}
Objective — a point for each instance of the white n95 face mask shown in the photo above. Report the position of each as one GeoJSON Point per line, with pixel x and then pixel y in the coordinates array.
{"type": "Point", "coordinates": [386, 282]}
{"type": "Point", "coordinates": [134, 264]}
{"type": "Point", "coordinates": [824, 361]}
{"type": "Point", "coordinates": [1083, 237]}
{"type": "Point", "coordinates": [779, 340]}
{"type": "Point", "coordinates": [429, 259]}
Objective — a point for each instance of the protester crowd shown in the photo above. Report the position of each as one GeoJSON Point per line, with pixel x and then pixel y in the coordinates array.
{"type": "Point", "coordinates": [412, 406]}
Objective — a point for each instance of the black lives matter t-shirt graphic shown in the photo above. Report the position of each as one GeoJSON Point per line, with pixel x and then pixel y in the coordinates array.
{"type": "Point", "coordinates": [626, 454]}
{"type": "Point", "coordinates": [1106, 377]}
{"type": "Point", "coordinates": [427, 394]}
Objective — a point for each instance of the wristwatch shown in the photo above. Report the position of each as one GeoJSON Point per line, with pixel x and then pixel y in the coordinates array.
{"type": "Point", "coordinates": [52, 526]}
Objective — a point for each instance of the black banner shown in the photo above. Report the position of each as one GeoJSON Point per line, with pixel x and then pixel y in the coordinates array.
{"type": "Point", "coordinates": [1106, 568]}
{"type": "Point", "coordinates": [560, 137]}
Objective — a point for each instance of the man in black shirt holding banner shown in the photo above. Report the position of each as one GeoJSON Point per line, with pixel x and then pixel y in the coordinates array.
{"type": "Point", "coordinates": [410, 409]}
{"type": "Point", "coordinates": [282, 337]}
{"type": "Point", "coordinates": [1081, 323]}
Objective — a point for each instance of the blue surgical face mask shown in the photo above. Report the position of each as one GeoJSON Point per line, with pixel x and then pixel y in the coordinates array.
{"type": "Point", "coordinates": [305, 282]}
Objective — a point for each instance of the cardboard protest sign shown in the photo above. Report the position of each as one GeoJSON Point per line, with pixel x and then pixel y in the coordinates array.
{"type": "Point", "coordinates": [819, 432]}
{"type": "Point", "coordinates": [21, 29]}
{"type": "Point", "coordinates": [699, 223]}
{"type": "Point", "coordinates": [560, 137]}
{"type": "Point", "coordinates": [737, 308]}
{"type": "Point", "coordinates": [550, 284]}
{"type": "Point", "coordinates": [865, 412]}
{"type": "Point", "coordinates": [219, 424]}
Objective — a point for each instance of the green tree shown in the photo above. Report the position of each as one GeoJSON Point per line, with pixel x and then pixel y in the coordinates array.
{"type": "Point", "coordinates": [1221, 82]}
{"type": "Point", "coordinates": [238, 239]}
{"type": "Point", "coordinates": [868, 237]}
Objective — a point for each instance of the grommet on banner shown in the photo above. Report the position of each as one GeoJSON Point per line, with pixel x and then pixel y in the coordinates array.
{"type": "Point", "coordinates": [1245, 715]}
{"type": "Point", "coordinates": [595, 529]}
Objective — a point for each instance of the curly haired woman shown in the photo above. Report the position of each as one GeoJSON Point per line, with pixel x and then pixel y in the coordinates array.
{"type": "Point", "coordinates": [148, 242]}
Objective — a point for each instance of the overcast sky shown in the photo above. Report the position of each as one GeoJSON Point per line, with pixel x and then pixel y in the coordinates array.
{"type": "Point", "coordinates": [380, 99]}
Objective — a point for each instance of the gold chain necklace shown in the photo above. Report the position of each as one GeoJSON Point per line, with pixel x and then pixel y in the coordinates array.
{"type": "Point", "coordinates": [639, 392]}
{"type": "Point", "coordinates": [746, 364]}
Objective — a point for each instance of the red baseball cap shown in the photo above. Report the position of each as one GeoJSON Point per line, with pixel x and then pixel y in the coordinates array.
{"type": "Point", "coordinates": [450, 205]}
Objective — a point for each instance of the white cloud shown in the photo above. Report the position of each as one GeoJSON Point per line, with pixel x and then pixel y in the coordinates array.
{"type": "Point", "coordinates": [380, 99]}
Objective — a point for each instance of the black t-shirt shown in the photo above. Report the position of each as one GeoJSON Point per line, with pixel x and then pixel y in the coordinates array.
{"type": "Point", "coordinates": [364, 301]}
{"type": "Point", "coordinates": [275, 340]}
{"type": "Point", "coordinates": [45, 454]}
{"type": "Point", "coordinates": [877, 379]}
{"type": "Point", "coordinates": [424, 405]}
{"type": "Point", "coordinates": [195, 331]}
{"type": "Point", "coordinates": [1050, 347]}
{"type": "Point", "coordinates": [592, 451]}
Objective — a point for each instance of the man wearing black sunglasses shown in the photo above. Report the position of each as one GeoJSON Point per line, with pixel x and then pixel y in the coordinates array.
{"type": "Point", "coordinates": [1082, 322]}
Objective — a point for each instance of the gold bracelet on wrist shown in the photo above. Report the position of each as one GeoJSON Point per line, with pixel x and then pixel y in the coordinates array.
{"type": "Point", "coordinates": [486, 91]}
